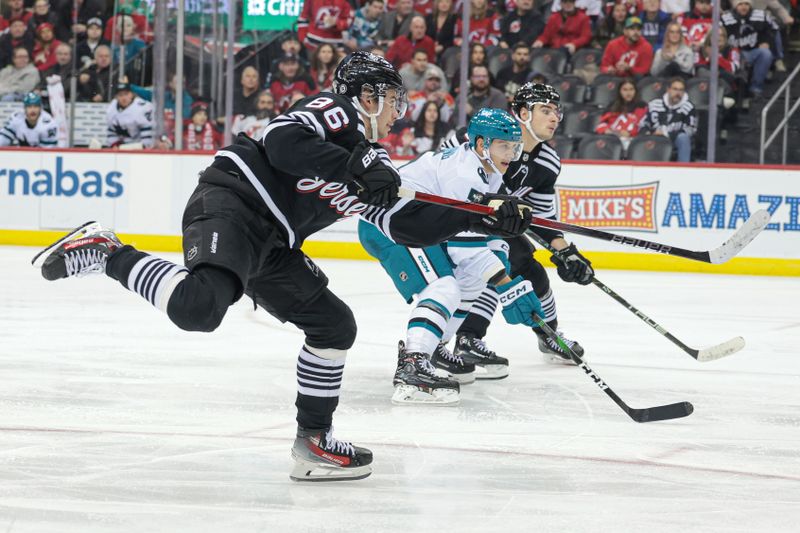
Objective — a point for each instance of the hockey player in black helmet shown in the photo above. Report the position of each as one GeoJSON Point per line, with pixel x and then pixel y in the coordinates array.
{"type": "Point", "coordinates": [532, 178]}
{"type": "Point", "coordinates": [245, 223]}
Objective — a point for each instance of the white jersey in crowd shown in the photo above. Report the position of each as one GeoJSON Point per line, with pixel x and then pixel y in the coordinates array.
{"type": "Point", "coordinates": [130, 125]}
{"type": "Point", "coordinates": [16, 131]}
{"type": "Point", "coordinates": [458, 173]}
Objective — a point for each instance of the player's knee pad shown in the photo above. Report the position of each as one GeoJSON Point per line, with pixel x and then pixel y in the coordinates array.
{"type": "Point", "coordinates": [200, 301]}
{"type": "Point", "coordinates": [445, 291]}
{"type": "Point", "coordinates": [332, 328]}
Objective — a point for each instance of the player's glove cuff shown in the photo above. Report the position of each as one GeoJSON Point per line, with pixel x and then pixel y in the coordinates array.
{"type": "Point", "coordinates": [573, 267]}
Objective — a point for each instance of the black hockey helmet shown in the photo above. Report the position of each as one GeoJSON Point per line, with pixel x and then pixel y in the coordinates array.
{"type": "Point", "coordinates": [361, 71]}
{"type": "Point", "coordinates": [535, 93]}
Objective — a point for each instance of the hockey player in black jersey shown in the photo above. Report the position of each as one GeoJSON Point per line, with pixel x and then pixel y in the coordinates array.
{"type": "Point", "coordinates": [532, 178]}
{"type": "Point", "coordinates": [247, 219]}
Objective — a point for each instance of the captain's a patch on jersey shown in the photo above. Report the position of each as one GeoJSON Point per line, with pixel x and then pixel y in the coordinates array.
{"type": "Point", "coordinates": [475, 196]}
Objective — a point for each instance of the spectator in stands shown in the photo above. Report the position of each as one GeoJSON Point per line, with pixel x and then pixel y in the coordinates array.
{"type": "Point", "coordinates": [623, 116]}
{"type": "Point", "coordinates": [129, 119]}
{"type": "Point", "coordinates": [729, 58]}
{"type": "Point", "coordinates": [128, 40]}
{"type": "Point", "coordinates": [673, 116]}
{"type": "Point", "coordinates": [287, 83]}
{"type": "Point", "coordinates": [424, 7]}
{"type": "Point", "coordinates": [16, 36]}
{"type": "Point", "coordinates": [629, 55]}
{"type": "Point", "coordinates": [441, 24]}
{"type": "Point", "coordinates": [170, 100]}
{"type": "Point", "coordinates": [16, 9]}
{"type": "Point", "coordinates": [62, 69]}
{"type": "Point", "coordinates": [414, 73]}
{"type": "Point", "coordinates": [433, 91]}
{"type": "Point", "coordinates": [244, 98]}
{"type": "Point", "coordinates": [780, 19]}
{"type": "Point", "coordinates": [44, 49]}
{"type": "Point", "coordinates": [324, 21]}
{"type": "Point", "coordinates": [19, 78]}
{"type": "Point", "coordinates": [87, 10]}
{"type": "Point", "coordinates": [524, 24]}
{"type": "Point", "coordinates": [42, 14]}
{"type": "Point", "coordinates": [32, 127]}
{"type": "Point", "coordinates": [484, 25]}
{"type": "Point", "coordinates": [569, 29]}
{"type": "Point", "coordinates": [612, 26]}
{"type": "Point", "coordinates": [750, 31]}
{"type": "Point", "coordinates": [138, 16]}
{"type": "Point", "coordinates": [323, 64]}
{"type": "Point", "coordinates": [200, 134]}
{"type": "Point", "coordinates": [363, 32]}
{"type": "Point", "coordinates": [654, 23]}
{"type": "Point", "coordinates": [405, 45]}
{"type": "Point", "coordinates": [97, 77]}
{"type": "Point", "coordinates": [592, 8]}
{"type": "Point", "coordinates": [477, 56]}
{"type": "Point", "coordinates": [429, 129]}
{"type": "Point", "coordinates": [674, 58]}
{"type": "Point", "coordinates": [291, 45]}
{"type": "Point", "coordinates": [481, 93]}
{"type": "Point", "coordinates": [400, 143]}
{"type": "Point", "coordinates": [696, 24]}
{"type": "Point", "coordinates": [395, 23]}
{"type": "Point", "coordinates": [512, 77]}
{"type": "Point", "coordinates": [253, 125]}
{"type": "Point", "coordinates": [93, 38]}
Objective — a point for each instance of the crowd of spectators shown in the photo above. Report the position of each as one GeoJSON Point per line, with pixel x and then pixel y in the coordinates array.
{"type": "Point", "coordinates": [511, 42]}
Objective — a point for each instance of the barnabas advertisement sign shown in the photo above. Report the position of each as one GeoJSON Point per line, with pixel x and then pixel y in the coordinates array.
{"type": "Point", "coordinates": [59, 179]}
{"type": "Point", "coordinates": [271, 14]}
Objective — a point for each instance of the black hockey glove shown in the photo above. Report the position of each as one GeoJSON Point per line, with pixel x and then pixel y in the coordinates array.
{"type": "Point", "coordinates": [374, 182]}
{"type": "Point", "coordinates": [572, 267]}
{"type": "Point", "coordinates": [511, 217]}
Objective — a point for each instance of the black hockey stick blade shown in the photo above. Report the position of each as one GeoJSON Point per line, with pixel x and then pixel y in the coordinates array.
{"type": "Point", "coordinates": [648, 414]}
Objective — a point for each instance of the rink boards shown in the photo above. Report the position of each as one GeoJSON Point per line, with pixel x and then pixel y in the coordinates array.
{"type": "Point", "coordinates": [142, 196]}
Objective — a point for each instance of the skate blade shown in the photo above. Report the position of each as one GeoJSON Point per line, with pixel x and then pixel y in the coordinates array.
{"type": "Point", "coordinates": [555, 359]}
{"type": "Point", "coordinates": [410, 395]}
{"type": "Point", "coordinates": [463, 379]}
{"type": "Point", "coordinates": [78, 232]}
{"type": "Point", "coordinates": [307, 471]}
{"type": "Point", "coordinates": [491, 371]}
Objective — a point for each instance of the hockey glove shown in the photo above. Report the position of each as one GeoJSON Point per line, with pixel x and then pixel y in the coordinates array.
{"type": "Point", "coordinates": [572, 267]}
{"type": "Point", "coordinates": [519, 302]}
{"type": "Point", "coordinates": [374, 182]}
{"type": "Point", "coordinates": [511, 217]}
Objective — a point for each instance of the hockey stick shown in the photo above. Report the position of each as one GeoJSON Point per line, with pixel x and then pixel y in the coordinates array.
{"type": "Point", "coordinates": [648, 414]}
{"type": "Point", "coordinates": [706, 354]}
{"type": "Point", "coordinates": [722, 253]}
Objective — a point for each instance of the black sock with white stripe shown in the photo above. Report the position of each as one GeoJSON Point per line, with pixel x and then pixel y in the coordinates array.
{"type": "Point", "coordinates": [318, 383]}
{"type": "Point", "coordinates": [480, 314]}
{"type": "Point", "coordinates": [151, 277]}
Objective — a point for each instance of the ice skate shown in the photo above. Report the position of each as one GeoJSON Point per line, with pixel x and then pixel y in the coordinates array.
{"type": "Point", "coordinates": [488, 365]}
{"type": "Point", "coordinates": [416, 382]}
{"type": "Point", "coordinates": [318, 456]}
{"type": "Point", "coordinates": [82, 251]}
{"type": "Point", "coordinates": [458, 369]}
{"type": "Point", "coordinates": [552, 352]}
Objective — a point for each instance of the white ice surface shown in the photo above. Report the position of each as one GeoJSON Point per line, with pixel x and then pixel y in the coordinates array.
{"type": "Point", "coordinates": [111, 419]}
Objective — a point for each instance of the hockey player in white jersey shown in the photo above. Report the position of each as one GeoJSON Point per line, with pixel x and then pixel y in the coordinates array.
{"type": "Point", "coordinates": [444, 280]}
{"type": "Point", "coordinates": [32, 127]}
{"type": "Point", "coordinates": [129, 119]}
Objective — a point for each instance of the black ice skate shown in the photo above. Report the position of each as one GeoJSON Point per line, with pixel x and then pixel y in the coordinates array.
{"type": "Point", "coordinates": [456, 366]}
{"type": "Point", "coordinates": [552, 352]}
{"type": "Point", "coordinates": [488, 365]}
{"type": "Point", "coordinates": [82, 251]}
{"type": "Point", "coordinates": [416, 381]}
{"type": "Point", "coordinates": [318, 456]}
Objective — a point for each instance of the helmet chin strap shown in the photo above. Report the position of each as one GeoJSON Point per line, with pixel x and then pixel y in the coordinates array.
{"type": "Point", "coordinates": [527, 124]}
{"type": "Point", "coordinates": [373, 117]}
{"type": "Point", "coordinates": [485, 157]}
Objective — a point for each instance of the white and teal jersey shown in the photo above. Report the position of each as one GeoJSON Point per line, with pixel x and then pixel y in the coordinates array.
{"type": "Point", "coordinates": [17, 131]}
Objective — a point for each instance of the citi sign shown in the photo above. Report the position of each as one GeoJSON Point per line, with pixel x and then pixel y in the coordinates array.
{"type": "Point", "coordinates": [274, 7]}
{"type": "Point", "coordinates": [629, 207]}
{"type": "Point", "coordinates": [60, 181]}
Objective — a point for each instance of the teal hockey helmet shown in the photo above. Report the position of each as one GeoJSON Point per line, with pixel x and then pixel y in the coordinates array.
{"type": "Point", "coordinates": [32, 99]}
{"type": "Point", "coordinates": [493, 124]}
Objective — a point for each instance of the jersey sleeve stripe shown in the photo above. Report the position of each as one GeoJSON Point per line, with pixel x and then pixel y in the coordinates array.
{"type": "Point", "coordinates": [548, 165]}
{"type": "Point", "coordinates": [310, 120]}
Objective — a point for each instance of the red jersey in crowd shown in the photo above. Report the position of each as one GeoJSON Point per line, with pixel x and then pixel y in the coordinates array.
{"type": "Point", "coordinates": [561, 30]}
{"type": "Point", "coordinates": [283, 91]}
{"type": "Point", "coordinates": [695, 28]}
{"type": "Point", "coordinates": [485, 31]}
{"type": "Point", "coordinates": [616, 122]}
{"type": "Point", "coordinates": [208, 138]}
{"type": "Point", "coordinates": [43, 58]}
{"type": "Point", "coordinates": [312, 29]}
{"type": "Point", "coordinates": [639, 56]}
{"type": "Point", "coordinates": [402, 50]}
{"type": "Point", "coordinates": [729, 59]}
